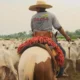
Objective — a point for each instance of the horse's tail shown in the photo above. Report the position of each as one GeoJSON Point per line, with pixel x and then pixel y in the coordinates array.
{"type": "Point", "coordinates": [29, 69]}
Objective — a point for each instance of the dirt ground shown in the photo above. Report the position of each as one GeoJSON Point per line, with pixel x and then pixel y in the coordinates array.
{"type": "Point", "coordinates": [71, 73]}
{"type": "Point", "coordinates": [72, 76]}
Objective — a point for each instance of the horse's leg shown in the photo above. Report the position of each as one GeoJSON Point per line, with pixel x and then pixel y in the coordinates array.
{"type": "Point", "coordinates": [43, 71]}
{"type": "Point", "coordinates": [39, 71]}
{"type": "Point", "coordinates": [21, 74]}
{"type": "Point", "coordinates": [26, 68]}
{"type": "Point", "coordinates": [29, 69]}
{"type": "Point", "coordinates": [49, 73]}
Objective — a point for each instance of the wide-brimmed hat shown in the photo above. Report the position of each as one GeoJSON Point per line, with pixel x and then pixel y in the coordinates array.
{"type": "Point", "coordinates": [40, 3]}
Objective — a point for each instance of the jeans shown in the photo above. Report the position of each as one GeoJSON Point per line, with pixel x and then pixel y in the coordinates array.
{"type": "Point", "coordinates": [62, 49]}
{"type": "Point", "coordinates": [61, 68]}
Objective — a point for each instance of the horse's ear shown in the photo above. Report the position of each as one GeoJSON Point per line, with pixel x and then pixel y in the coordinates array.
{"type": "Point", "coordinates": [56, 34]}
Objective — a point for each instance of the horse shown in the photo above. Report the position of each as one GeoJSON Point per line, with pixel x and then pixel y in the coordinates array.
{"type": "Point", "coordinates": [35, 64]}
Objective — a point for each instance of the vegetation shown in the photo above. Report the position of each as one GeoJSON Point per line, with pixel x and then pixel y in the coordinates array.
{"type": "Point", "coordinates": [24, 35]}
{"type": "Point", "coordinates": [73, 35]}
{"type": "Point", "coordinates": [20, 35]}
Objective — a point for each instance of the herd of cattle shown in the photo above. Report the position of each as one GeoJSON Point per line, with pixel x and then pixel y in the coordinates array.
{"type": "Point", "coordinates": [9, 56]}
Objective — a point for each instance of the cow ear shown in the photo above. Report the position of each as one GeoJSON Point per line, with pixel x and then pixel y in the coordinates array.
{"type": "Point", "coordinates": [3, 45]}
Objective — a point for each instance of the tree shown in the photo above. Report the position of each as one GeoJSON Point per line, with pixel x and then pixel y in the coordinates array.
{"type": "Point", "coordinates": [77, 31]}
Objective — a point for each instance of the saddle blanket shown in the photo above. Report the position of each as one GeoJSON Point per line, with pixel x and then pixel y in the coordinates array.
{"type": "Point", "coordinates": [43, 40]}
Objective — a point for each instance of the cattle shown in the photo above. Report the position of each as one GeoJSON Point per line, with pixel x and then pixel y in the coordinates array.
{"type": "Point", "coordinates": [72, 50]}
{"type": "Point", "coordinates": [8, 47]}
{"type": "Point", "coordinates": [8, 58]}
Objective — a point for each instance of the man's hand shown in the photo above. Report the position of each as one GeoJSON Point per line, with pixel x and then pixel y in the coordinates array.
{"type": "Point", "coordinates": [68, 38]}
{"type": "Point", "coordinates": [61, 30]}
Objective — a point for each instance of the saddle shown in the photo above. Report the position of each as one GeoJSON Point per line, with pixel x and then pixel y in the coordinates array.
{"type": "Point", "coordinates": [47, 43]}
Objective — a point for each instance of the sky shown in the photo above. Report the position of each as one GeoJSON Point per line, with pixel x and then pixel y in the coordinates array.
{"type": "Point", "coordinates": [16, 17]}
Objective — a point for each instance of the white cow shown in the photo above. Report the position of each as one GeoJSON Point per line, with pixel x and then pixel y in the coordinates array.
{"type": "Point", "coordinates": [72, 55]}
{"type": "Point", "coordinates": [9, 58]}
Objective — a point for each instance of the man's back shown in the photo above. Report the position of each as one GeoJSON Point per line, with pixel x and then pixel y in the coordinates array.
{"type": "Point", "coordinates": [43, 21]}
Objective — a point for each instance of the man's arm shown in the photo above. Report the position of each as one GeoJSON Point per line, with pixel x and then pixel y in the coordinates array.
{"type": "Point", "coordinates": [61, 30]}
{"type": "Point", "coordinates": [57, 26]}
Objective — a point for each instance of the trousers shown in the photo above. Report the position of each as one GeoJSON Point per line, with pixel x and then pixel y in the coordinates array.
{"type": "Point", "coordinates": [61, 68]}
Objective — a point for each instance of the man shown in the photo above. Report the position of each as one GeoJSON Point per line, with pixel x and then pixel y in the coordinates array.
{"type": "Point", "coordinates": [44, 21]}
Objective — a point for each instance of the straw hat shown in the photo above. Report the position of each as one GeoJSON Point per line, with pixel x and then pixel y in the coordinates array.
{"type": "Point", "coordinates": [40, 3]}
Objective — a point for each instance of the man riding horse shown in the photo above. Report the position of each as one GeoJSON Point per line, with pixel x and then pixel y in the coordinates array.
{"type": "Point", "coordinates": [43, 22]}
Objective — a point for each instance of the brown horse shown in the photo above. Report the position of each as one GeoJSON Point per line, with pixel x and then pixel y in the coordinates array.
{"type": "Point", "coordinates": [35, 64]}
